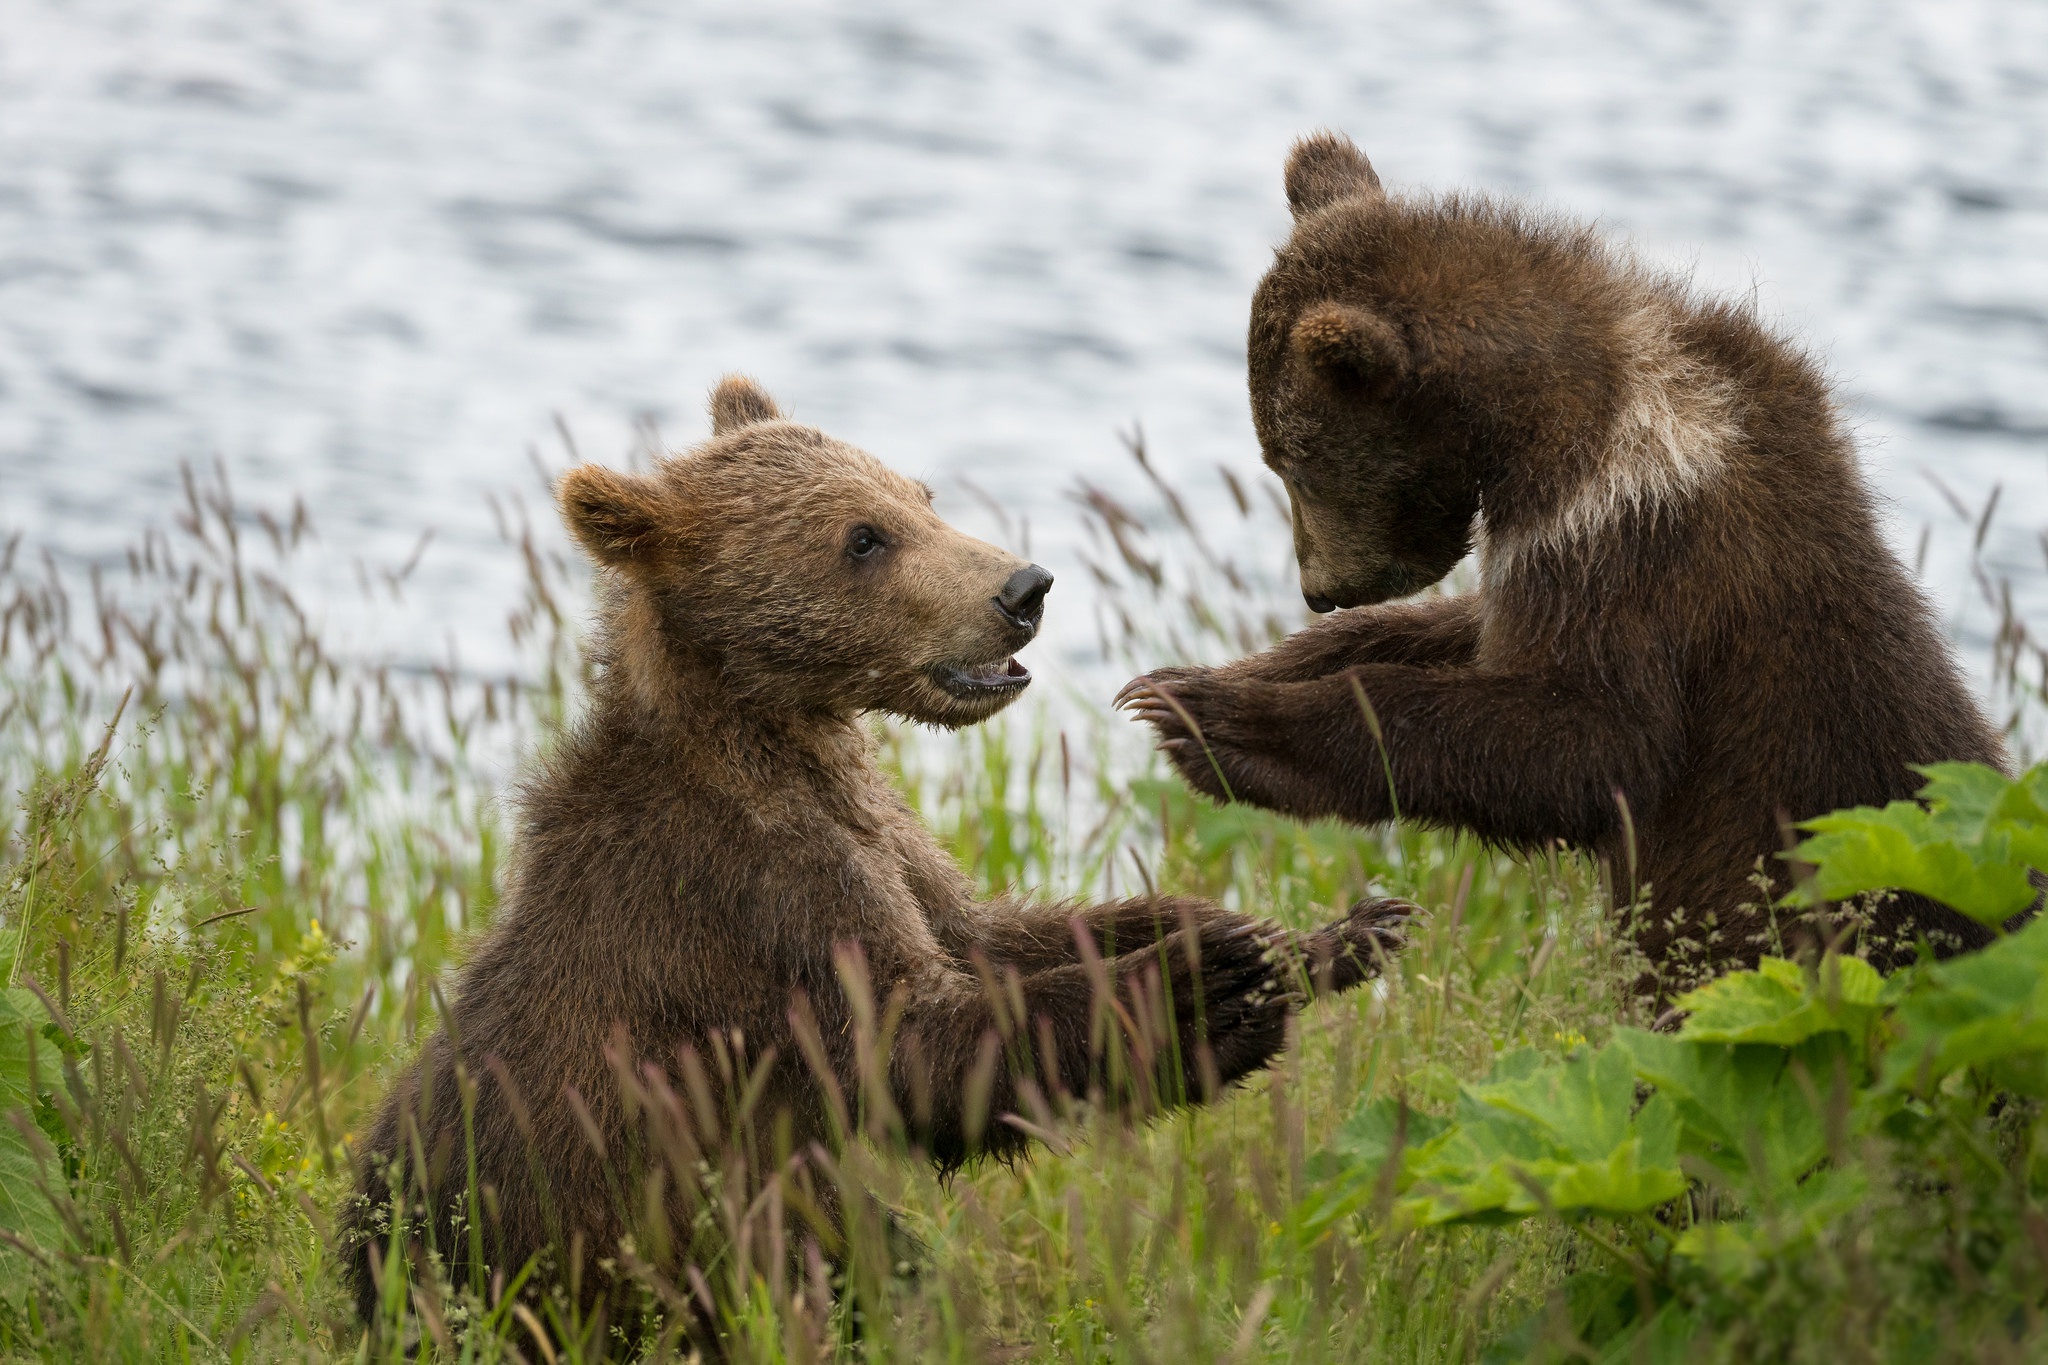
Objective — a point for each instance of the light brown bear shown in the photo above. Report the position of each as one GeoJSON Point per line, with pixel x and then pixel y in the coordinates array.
{"type": "Point", "coordinates": [666, 982]}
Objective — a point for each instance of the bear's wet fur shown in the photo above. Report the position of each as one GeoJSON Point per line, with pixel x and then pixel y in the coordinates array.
{"type": "Point", "coordinates": [1688, 632]}
{"type": "Point", "coordinates": [709, 861]}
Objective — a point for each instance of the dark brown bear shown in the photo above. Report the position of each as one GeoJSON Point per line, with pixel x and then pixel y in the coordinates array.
{"type": "Point", "coordinates": [668, 977]}
{"type": "Point", "coordinates": [1688, 630]}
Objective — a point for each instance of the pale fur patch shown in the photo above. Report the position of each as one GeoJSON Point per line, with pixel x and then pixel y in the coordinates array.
{"type": "Point", "coordinates": [1675, 436]}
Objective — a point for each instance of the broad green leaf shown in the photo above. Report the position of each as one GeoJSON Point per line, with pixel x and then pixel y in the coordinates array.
{"type": "Point", "coordinates": [2026, 800]}
{"type": "Point", "coordinates": [1582, 1104]}
{"type": "Point", "coordinates": [1604, 1311]}
{"type": "Point", "coordinates": [1905, 847]}
{"type": "Point", "coordinates": [1561, 1138]}
{"type": "Point", "coordinates": [1964, 797]}
{"type": "Point", "coordinates": [1736, 1250]}
{"type": "Point", "coordinates": [2012, 827]}
{"type": "Point", "coordinates": [1666, 1339]}
{"type": "Point", "coordinates": [1972, 800]}
{"type": "Point", "coordinates": [1754, 1112]}
{"type": "Point", "coordinates": [21, 1021]}
{"type": "Point", "coordinates": [1535, 1136]}
{"type": "Point", "coordinates": [1353, 1163]}
{"type": "Point", "coordinates": [1825, 1196]}
{"type": "Point", "coordinates": [1724, 1248]}
{"type": "Point", "coordinates": [1987, 1009]}
{"type": "Point", "coordinates": [1639, 1174]}
{"type": "Point", "coordinates": [1776, 1003]}
{"type": "Point", "coordinates": [1468, 1184]}
{"type": "Point", "coordinates": [23, 1209]}
{"type": "Point", "coordinates": [1967, 842]}
{"type": "Point", "coordinates": [1369, 1136]}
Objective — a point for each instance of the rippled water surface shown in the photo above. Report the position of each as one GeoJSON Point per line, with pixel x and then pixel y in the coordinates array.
{"type": "Point", "coordinates": [367, 252]}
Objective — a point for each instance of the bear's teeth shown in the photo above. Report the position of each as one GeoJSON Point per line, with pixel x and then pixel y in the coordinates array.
{"type": "Point", "coordinates": [989, 675]}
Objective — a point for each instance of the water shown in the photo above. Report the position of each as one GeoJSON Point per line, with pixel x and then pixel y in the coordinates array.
{"type": "Point", "coordinates": [368, 253]}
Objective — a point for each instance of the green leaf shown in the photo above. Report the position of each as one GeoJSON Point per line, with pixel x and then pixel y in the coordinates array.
{"type": "Point", "coordinates": [1987, 1010]}
{"type": "Point", "coordinates": [1964, 797]}
{"type": "Point", "coordinates": [1826, 1195]}
{"type": "Point", "coordinates": [1370, 1135]}
{"type": "Point", "coordinates": [1535, 1136]}
{"type": "Point", "coordinates": [23, 1209]}
{"type": "Point", "coordinates": [1726, 1250]}
{"type": "Point", "coordinates": [1604, 1311]}
{"type": "Point", "coordinates": [22, 1018]}
{"type": "Point", "coordinates": [1753, 1112]}
{"type": "Point", "coordinates": [1666, 1339]}
{"type": "Point", "coordinates": [1563, 1138]}
{"type": "Point", "coordinates": [1968, 842]}
{"type": "Point", "coordinates": [1778, 1004]}
{"type": "Point", "coordinates": [1582, 1104]}
{"type": "Point", "coordinates": [1353, 1163]}
{"type": "Point", "coordinates": [1905, 847]}
{"type": "Point", "coordinates": [1640, 1173]}
{"type": "Point", "coordinates": [1732, 1251]}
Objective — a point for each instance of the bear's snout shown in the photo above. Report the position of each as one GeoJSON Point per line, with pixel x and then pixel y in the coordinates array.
{"type": "Point", "coordinates": [1022, 600]}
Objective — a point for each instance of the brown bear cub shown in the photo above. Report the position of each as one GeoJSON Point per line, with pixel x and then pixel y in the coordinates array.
{"type": "Point", "coordinates": [1687, 631]}
{"type": "Point", "coordinates": [717, 901]}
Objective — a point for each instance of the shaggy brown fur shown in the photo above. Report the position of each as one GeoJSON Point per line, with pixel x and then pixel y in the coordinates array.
{"type": "Point", "coordinates": [1686, 621]}
{"type": "Point", "coordinates": [710, 862]}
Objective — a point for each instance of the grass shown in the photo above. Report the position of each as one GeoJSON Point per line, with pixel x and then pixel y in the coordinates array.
{"type": "Point", "coordinates": [238, 863]}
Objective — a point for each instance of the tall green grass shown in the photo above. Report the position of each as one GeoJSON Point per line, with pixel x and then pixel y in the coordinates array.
{"type": "Point", "coordinates": [235, 864]}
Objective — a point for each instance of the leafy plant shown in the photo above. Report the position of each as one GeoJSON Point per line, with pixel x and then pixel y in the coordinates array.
{"type": "Point", "coordinates": [28, 1062]}
{"type": "Point", "coordinates": [1968, 842]}
{"type": "Point", "coordinates": [1702, 1165]}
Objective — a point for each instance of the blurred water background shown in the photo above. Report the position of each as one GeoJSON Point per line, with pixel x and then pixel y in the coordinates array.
{"type": "Point", "coordinates": [380, 254]}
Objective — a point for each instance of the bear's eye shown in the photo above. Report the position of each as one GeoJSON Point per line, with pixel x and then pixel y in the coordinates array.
{"type": "Point", "coordinates": [865, 542]}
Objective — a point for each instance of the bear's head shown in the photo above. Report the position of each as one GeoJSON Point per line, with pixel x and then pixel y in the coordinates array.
{"type": "Point", "coordinates": [810, 577]}
{"type": "Point", "coordinates": [1400, 354]}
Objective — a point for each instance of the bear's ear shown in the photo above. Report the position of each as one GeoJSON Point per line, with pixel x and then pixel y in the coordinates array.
{"type": "Point", "coordinates": [1340, 339]}
{"type": "Point", "coordinates": [1324, 168]}
{"type": "Point", "coordinates": [739, 402]}
{"type": "Point", "coordinates": [619, 518]}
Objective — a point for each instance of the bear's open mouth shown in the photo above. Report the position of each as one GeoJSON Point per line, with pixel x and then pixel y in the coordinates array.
{"type": "Point", "coordinates": [980, 680]}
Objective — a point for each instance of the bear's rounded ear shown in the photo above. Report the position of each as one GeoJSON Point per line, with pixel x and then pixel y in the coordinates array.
{"type": "Point", "coordinates": [619, 518]}
{"type": "Point", "coordinates": [1324, 168]}
{"type": "Point", "coordinates": [1341, 339]}
{"type": "Point", "coordinates": [739, 402]}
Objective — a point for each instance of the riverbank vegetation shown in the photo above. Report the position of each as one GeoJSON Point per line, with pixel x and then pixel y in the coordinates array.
{"type": "Point", "coordinates": [236, 865]}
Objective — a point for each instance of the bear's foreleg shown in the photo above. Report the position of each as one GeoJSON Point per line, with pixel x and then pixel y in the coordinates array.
{"type": "Point", "coordinates": [1034, 936]}
{"type": "Point", "coordinates": [1437, 632]}
{"type": "Point", "coordinates": [1515, 758]}
{"type": "Point", "coordinates": [1031, 936]}
{"type": "Point", "coordinates": [1200, 1010]}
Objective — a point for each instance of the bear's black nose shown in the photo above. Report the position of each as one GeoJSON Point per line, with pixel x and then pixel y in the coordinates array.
{"type": "Point", "coordinates": [1023, 597]}
{"type": "Point", "coordinates": [1318, 603]}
